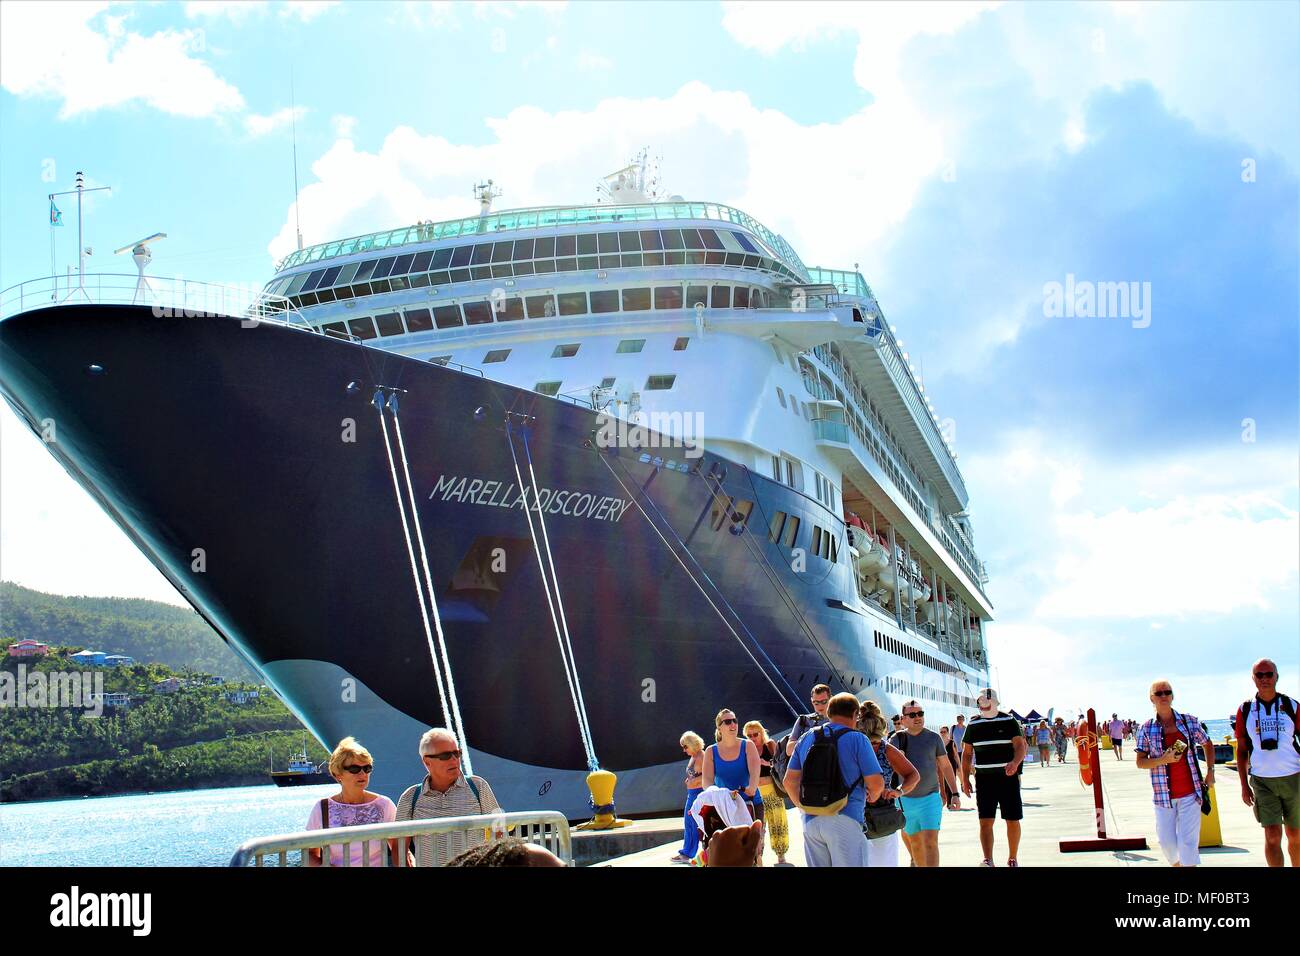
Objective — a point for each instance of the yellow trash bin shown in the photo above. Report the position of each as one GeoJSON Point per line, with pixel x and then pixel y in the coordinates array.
{"type": "Point", "coordinates": [1104, 737]}
{"type": "Point", "coordinates": [1211, 833]}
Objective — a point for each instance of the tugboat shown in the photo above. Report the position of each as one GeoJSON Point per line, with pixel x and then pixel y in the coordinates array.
{"type": "Point", "coordinates": [302, 772]}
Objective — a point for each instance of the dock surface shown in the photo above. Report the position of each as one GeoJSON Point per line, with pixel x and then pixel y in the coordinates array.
{"type": "Point", "coordinates": [1057, 806]}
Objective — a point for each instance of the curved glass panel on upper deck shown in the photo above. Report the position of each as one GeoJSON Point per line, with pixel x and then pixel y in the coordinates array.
{"type": "Point", "coordinates": [540, 218]}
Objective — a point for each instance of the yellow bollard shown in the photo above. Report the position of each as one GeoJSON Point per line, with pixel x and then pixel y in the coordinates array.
{"type": "Point", "coordinates": [601, 783]}
{"type": "Point", "coordinates": [1211, 832]}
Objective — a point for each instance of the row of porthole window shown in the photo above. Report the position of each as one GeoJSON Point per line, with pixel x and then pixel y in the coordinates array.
{"type": "Point", "coordinates": [526, 257]}
{"type": "Point", "coordinates": [512, 308]}
{"type": "Point", "coordinates": [896, 685]}
{"type": "Point", "coordinates": [653, 383]}
{"type": "Point", "coordinates": [906, 651]}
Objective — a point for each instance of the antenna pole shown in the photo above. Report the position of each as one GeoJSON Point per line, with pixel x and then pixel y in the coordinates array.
{"type": "Point", "coordinates": [293, 125]}
{"type": "Point", "coordinates": [81, 250]}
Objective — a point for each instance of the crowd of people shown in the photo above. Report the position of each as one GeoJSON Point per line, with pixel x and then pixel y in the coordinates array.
{"type": "Point", "coordinates": [867, 786]}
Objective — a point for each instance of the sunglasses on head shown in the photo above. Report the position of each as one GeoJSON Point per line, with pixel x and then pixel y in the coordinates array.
{"type": "Point", "coordinates": [354, 769]}
{"type": "Point", "coordinates": [1264, 675]}
{"type": "Point", "coordinates": [444, 757]}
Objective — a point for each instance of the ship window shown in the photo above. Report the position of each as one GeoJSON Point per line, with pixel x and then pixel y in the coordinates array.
{"type": "Point", "coordinates": [650, 239]}
{"type": "Point", "coordinates": [668, 297]}
{"type": "Point", "coordinates": [744, 242]}
{"type": "Point", "coordinates": [345, 277]}
{"type": "Point", "coordinates": [362, 328]}
{"type": "Point", "coordinates": [313, 280]}
{"type": "Point", "coordinates": [565, 265]}
{"type": "Point", "coordinates": [722, 296]}
{"type": "Point", "coordinates": [817, 540]}
{"type": "Point", "coordinates": [791, 532]}
{"type": "Point", "coordinates": [672, 238]}
{"type": "Point", "coordinates": [674, 258]}
{"type": "Point", "coordinates": [523, 249]}
{"type": "Point", "coordinates": [573, 303]}
{"type": "Point", "coordinates": [417, 320]}
{"type": "Point", "coordinates": [544, 265]}
{"type": "Point", "coordinates": [775, 525]}
{"type": "Point", "coordinates": [509, 310]}
{"type": "Point", "coordinates": [548, 388]}
{"type": "Point", "coordinates": [659, 383]}
{"type": "Point", "coordinates": [336, 329]}
{"type": "Point", "coordinates": [327, 280]}
{"type": "Point", "coordinates": [629, 345]}
{"type": "Point", "coordinates": [742, 508]}
{"type": "Point", "coordinates": [480, 272]}
{"type": "Point", "coordinates": [691, 239]}
{"type": "Point", "coordinates": [297, 283]}
{"type": "Point", "coordinates": [742, 297]}
{"type": "Point", "coordinates": [478, 313]}
{"type": "Point", "coordinates": [631, 261]}
{"type": "Point", "coordinates": [710, 239]}
{"type": "Point", "coordinates": [421, 263]}
{"type": "Point", "coordinates": [636, 300]}
{"type": "Point", "coordinates": [780, 396]}
{"type": "Point", "coordinates": [750, 262]}
{"type": "Point", "coordinates": [629, 241]}
{"type": "Point", "coordinates": [654, 258]}
{"type": "Point", "coordinates": [324, 295]}
{"type": "Point", "coordinates": [776, 467]}
{"type": "Point", "coordinates": [460, 256]}
{"type": "Point", "coordinates": [545, 247]}
{"type": "Point", "coordinates": [587, 244]}
{"type": "Point", "coordinates": [459, 275]}
{"type": "Point", "coordinates": [390, 323]}
{"type": "Point", "coordinates": [567, 246]}
{"type": "Point", "coordinates": [607, 242]}
{"type": "Point", "coordinates": [694, 258]}
{"type": "Point", "coordinates": [403, 264]}
{"type": "Point", "coordinates": [607, 382]}
{"type": "Point", "coordinates": [696, 295]}
{"type": "Point", "coordinates": [501, 251]}
{"type": "Point", "coordinates": [605, 300]}
{"type": "Point", "coordinates": [607, 262]}
{"type": "Point", "coordinates": [681, 343]}
{"type": "Point", "coordinates": [496, 355]}
{"type": "Point", "coordinates": [566, 351]}
{"type": "Point", "coordinates": [447, 316]}
{"type": "Point", "coordinates": [482, 254]}
{"type": "Point", "coordinates": [540, 306]}
{"type": "Point", "coordinates": [586, 262]}
{"type": "Point", "coordinates": [719, 514]}
{"type": "Point", "coordinates": [383, 267]}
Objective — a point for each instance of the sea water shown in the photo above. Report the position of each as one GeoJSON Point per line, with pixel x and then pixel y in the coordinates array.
{"type": "Point", "coordinates": [185, 828]}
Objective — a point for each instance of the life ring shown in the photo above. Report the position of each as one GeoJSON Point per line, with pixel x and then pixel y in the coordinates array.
{"type": "Point", "coordinates": [1085, 745]}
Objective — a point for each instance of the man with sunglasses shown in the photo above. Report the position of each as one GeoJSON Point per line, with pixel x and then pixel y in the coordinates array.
{"type": "Point", "coordinates": [445, 792]}
{"type": "Point", "coordinates": [1166, 746]}
{"type": "Point", "coordinates": [821, 695]}
{"type": "Point", "coordinates": [1268, 763]}
{"type": "Point", "coordinates": [923, 806]}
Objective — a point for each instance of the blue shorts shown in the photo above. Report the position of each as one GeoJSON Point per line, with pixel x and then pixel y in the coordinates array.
{"type": "Point", "coordinates": [923, 813]}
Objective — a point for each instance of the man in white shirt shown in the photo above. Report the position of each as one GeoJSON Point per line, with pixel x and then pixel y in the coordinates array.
{"type": "Point", "coordinates": [1268, 763]}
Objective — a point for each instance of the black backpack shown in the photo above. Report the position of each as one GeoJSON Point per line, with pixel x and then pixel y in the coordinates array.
{"type": "Point", "coordinates": [1287, 706]}
{"type": "Point", "coordinates": [822, 790]}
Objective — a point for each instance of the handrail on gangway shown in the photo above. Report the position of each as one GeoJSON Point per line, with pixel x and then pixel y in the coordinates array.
{"type": "Point", "coordinates": [547, 828]}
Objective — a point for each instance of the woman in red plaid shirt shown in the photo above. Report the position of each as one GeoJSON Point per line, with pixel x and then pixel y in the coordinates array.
{"type": "Point", "coordinates": [1166, 746]}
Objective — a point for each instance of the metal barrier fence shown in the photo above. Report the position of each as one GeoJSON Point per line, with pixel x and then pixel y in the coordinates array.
{"type": "Point", "coordinates": [546, 828]}
{"type": "Point", "coordinates": [168, 297]}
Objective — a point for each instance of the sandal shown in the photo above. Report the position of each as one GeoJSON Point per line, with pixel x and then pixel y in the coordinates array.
{"type": "Point", "coordinates": [679, 858]}
{"type": "Point", "coordinates": [988, 863]}
{"type": "Point", "coordinates": [1015, 865]}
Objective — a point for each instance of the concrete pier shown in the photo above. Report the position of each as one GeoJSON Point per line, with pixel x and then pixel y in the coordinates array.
{"type": "Point", "coordinates": [1058, 806]}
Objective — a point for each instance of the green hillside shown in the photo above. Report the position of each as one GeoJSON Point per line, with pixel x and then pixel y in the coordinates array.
{"type": "Point", "coordinates": [146, 630]}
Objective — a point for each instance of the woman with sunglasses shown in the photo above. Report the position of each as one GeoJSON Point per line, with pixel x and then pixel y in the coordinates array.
{"type": "Point", "coordinates": [774, 818]}
{"type": "Point", "coordinates": [353, 806]}
{"type": "Point", "coordinates": [693, 746]}
{"type": "Point", "coordinates": [733, 763]}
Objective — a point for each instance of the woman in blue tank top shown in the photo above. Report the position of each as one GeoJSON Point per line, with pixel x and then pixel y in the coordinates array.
{"type": "Point", "coordinates": [733, 762]}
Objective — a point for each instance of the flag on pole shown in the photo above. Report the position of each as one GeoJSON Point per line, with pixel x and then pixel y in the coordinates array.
{"type": "Point", "coordinates": [56, 215]}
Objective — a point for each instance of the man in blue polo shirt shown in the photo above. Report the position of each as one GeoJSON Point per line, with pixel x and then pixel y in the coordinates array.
{"type": "Point", "coordinates": [838, 840]}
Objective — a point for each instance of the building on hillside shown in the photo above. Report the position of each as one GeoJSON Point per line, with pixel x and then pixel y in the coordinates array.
{"type": "Point", "coordinates": [241, 697]}
{"type": "Point", "coordinates": [169, 686]}
{"type": "Point", "coordinates": [28, 648]}
{"type": "Point", "coordinates": [118, 660]}
{"type": "Point", "coordinates": [88, 658]}
{"type": "Point", "coordinates": [115, 701]}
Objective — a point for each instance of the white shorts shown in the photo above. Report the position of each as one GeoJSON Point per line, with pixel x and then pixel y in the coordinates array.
{"type": "Point", "coordinates": [883, 851]}
{"type": "Point", "coordinates": [1179, 830]}
{"type": "Point", "coordinates": [834, 841]}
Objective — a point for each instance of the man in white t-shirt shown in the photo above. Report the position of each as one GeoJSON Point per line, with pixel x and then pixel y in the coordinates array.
{"type": "Point", "coordinates": [1268, 763]}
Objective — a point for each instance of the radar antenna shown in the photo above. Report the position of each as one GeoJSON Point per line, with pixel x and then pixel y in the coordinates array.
{"type": "Point", "coordinates": [143, 256]}
{"type": "Point", "coordinates": [485, 193]}
{"type": "Point", "coordinates": [637, 182]}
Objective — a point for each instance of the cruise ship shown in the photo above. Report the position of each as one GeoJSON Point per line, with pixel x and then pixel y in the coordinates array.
{"type": "Point", "coordinates": [567, 480]}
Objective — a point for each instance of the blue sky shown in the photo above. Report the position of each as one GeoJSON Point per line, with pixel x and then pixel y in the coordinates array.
{"type": "Point", "coordinates": [1134, 490]}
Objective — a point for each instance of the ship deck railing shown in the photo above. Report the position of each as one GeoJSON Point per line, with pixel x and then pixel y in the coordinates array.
{"type": "Point", "coordinates": [546, 828]}
{"type": "Point", "coordinates": [166, 296]}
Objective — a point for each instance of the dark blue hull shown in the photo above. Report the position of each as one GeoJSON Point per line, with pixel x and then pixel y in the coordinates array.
{"type": "Point", "coordinates": [243, 448]}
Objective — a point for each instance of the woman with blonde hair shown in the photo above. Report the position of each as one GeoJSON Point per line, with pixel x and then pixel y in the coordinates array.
{"type": "Point", "coordinates": [692, 745]}
{"type": "Point", "coordinates": [883, 821]}
{"type": "Point", "coordinates": [773, 803]}
{"type": "Point", "coordinates": [353, 806]}
{"type": "Point", "coordinates": [732, 762]}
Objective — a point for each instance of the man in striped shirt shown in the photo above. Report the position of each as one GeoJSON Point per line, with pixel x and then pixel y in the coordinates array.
{"type": "Point", "coordinates": [996, 748]}
{"type": "Point", "coordinates": [445, 792]}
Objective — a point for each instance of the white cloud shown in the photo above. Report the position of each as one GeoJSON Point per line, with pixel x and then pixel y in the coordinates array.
{"type": "Point", "coordinates": [257, 125]}
{"type": "Point", "coordinates": [233, 9]}
{"type": "Point", "coordinates": [344, 126]}
{"type": "Point", "coordinates": [306, 10]}
{"type": "Point", "coordinates": [51, 49]}
{"type": "Point", "coordinates": [593, 61]}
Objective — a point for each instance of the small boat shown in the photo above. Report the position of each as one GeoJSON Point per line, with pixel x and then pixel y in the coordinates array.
{"type": "Point", "coordinates": [302, 772]}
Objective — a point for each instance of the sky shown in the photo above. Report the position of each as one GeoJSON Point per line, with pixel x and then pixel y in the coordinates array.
{"type": "Point", "coordinates": [1133, 478]}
